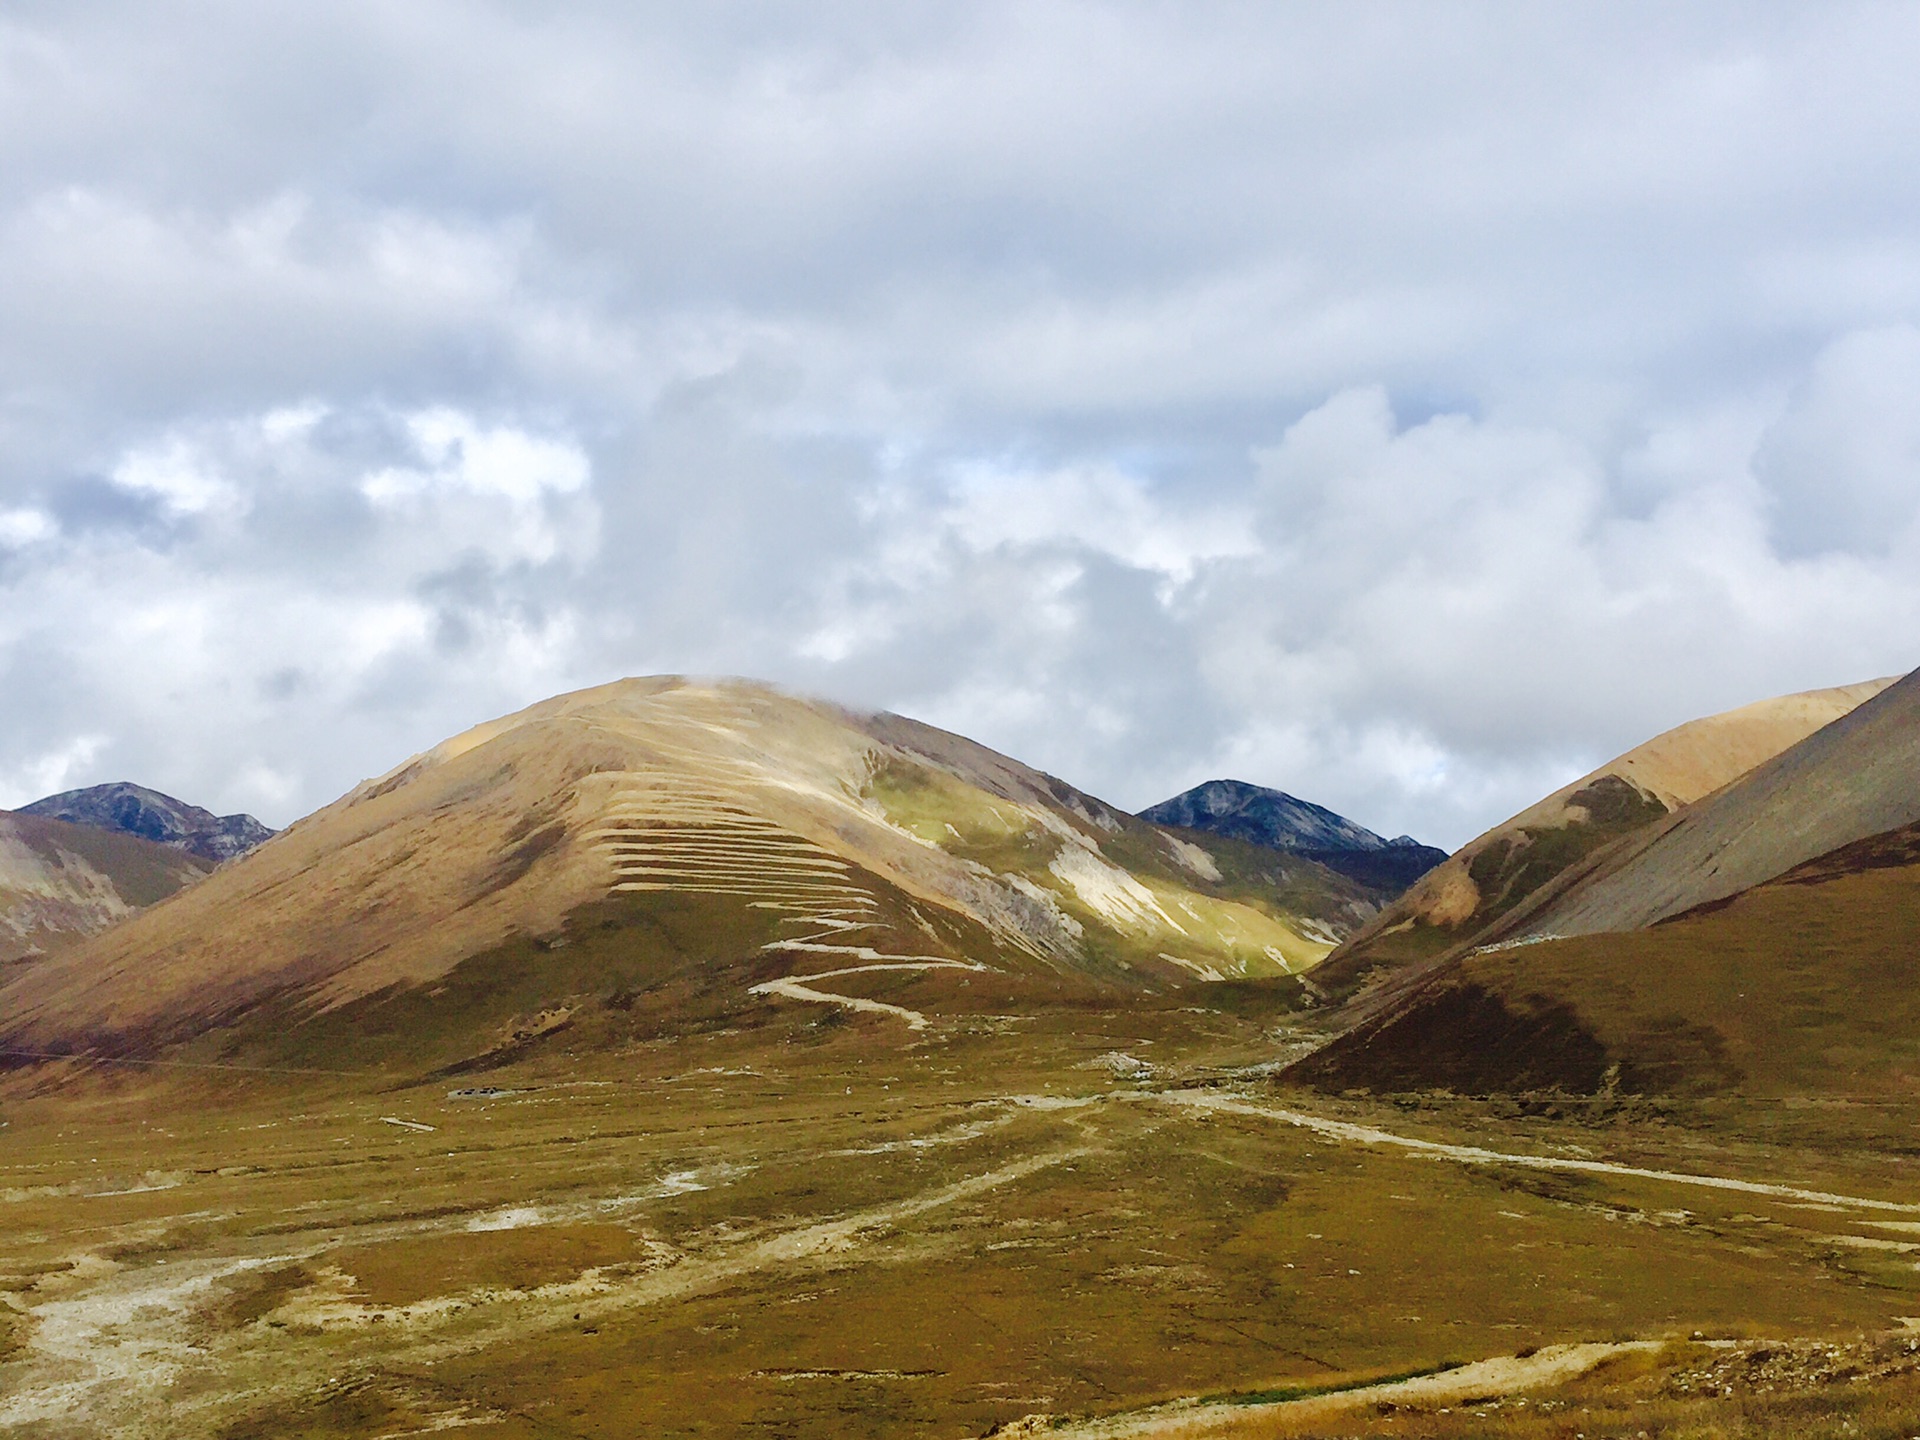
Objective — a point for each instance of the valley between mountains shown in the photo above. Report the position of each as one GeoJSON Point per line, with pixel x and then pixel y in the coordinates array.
{"type": "Point", "coordinates": [688, 1058]}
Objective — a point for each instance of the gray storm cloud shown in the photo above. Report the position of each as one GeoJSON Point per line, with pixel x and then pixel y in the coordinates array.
{"type": "Point", "coordinates": [1405, 406]}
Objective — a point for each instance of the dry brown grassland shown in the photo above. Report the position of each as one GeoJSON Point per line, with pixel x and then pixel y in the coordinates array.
{"type": "Point", "coordinates": [801, 1221]}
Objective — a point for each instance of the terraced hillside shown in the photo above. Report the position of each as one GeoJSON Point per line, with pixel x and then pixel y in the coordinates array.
{"type": "Point", "coordinates": [1467, 898]}
{"type": "Point", "coordinates": [767, 838]}
{"type": "Point", "coordinates": [60, 883]}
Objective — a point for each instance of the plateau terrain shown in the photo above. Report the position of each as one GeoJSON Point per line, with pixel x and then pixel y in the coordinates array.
{"type": "Point", "coordinates": [686, 1058]}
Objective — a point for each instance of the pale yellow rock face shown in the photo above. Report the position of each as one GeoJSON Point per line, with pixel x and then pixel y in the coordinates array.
{"type": "Point", "coordinates": [1448, 895]}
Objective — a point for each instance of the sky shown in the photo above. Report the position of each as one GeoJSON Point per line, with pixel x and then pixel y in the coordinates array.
{"type": "Point", "coordinates": [1408, 406]}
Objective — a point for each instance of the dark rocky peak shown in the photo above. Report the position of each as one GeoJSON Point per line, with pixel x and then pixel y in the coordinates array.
{"type": "Point", "coordinates": [1279, 821]}
{"type": "Point", "coordinates": [136, 810]}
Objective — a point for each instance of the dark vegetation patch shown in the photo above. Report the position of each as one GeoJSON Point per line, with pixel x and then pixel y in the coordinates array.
{"type": "Point", "coordinates": [1389, 871]}
{"type": "Point", "coordinates": [1515, 867]}
{"type": "Point", "coordinates": [401, 1272]}
{"type": "Point", "coordinates": [1283, 1393]}
{"type": "Point", "coordinates": [531, 837]}
{"type": "Point", "coordinates": [260, 1292]}
{"type": "Point", "coordinates": [1801, 988]}
{"type": "Point", "coordinates": [1464, 1037]}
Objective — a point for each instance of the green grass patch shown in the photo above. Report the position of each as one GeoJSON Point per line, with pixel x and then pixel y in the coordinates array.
{"type": "Point", "coordinates": [1283, 1393]}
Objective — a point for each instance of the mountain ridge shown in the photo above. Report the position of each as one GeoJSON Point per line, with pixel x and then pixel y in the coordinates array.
{"type": "Point", "coordinates": [1854, 778]}
{"type": "Point", "coordinates": [1260, 815]}
{"type": "Point", "coordinates": [866, 833]}
{"type": "Point", "coordinates": [60, 882]}
{"type": "Point", "coordinates": [136, 810]}
{"type": "Point", "coordinates": [1469, 897]}
{"type": "Point", "coordinates": [1757, 940]}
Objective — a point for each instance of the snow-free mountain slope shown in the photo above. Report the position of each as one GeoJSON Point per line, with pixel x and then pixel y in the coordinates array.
{"type": "Point", "coordinates": [1490, 878]}
{"type": "Point", "coordinates": [1279, 821]}
{"type": "Point", "coordinates": [60, 883]}
{"type": "Point", "coordinates": [1854, 778]}
{"type": "Point", "coordinates": [1804, 985]}
{"type": "Point", "coordinates": [809, 832]}
{"type": "Point", "coordinates": [136, 810]}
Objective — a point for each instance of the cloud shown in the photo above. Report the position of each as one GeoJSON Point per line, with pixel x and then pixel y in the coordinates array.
{"type": "Point", "coordinates": [1405, 406]}
{"type": "Point", "coordinates": [1843, 462]}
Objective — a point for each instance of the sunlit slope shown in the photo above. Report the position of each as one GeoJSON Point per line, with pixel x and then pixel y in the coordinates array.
{"type": "Point", "coordinates": [807, 833]}
{"type": "Point", "coordinates": [1806, 985]}
{"type": "Point", "coordinates": [1857, 777]}
{"type": "Point", "coordinates": [1491, 877]}
{"type": "Point", "coordinates": [60, 883]}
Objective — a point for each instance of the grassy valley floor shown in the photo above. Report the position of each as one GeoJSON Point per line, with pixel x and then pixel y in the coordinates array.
{"type": "Point", "coordinates": [826, 1222]}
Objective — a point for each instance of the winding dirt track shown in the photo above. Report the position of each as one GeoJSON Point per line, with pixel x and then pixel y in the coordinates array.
{"type": "Point", "coordinates": [1475, 1155]}
{"type": "Point", "coordinates": [1500, 1375]}
{"type": "Point", "coordinates": [796, 987]}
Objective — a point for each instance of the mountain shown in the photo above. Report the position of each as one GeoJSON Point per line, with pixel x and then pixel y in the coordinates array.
{"type": "Point", "coordinates": [1279, 821]}
{"type": "Point", "coordinates": [61, 882]}
{"type": "Point", "coordinates": [1801, 986]}
{"type": "Point", "coordinates": [1760, 939]}
{"type": "Point", "coordinates": [1462, 901]}
{"type": "Point", "coordinates": [1855, 778]}
{"type": "Point", "coordinates": [674, 844]}
{"type": "Point", "coordinates": [136, 810]}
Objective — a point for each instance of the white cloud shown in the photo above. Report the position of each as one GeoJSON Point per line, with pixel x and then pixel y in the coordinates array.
{"type": "Point", "coordinates": [462, 455]}
{"type": "Point", "coordinates": [22, 527]}
{"type": "Point", "coordinates": [37, 776]}
{"type": "Point", "coordinates": [1843, 462]}
{"type": "Point", "coordinates": [1404, 406]}
{"type": "Point", "coordinates": [178, 476]}
{"type": "Point", "coordinates": [1095, 507]}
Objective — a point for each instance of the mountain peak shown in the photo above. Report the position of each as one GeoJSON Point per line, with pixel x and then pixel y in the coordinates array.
{"type": "Point", "coordinates": [1262, 816]}
{"type": "Point", "coordinates": [148, 814]}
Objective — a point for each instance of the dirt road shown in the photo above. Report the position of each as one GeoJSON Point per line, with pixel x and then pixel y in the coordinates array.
{"type": "Point", "coordinates": [1475, 1155]}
